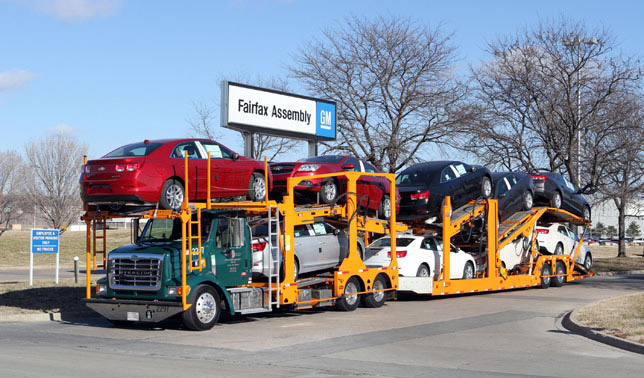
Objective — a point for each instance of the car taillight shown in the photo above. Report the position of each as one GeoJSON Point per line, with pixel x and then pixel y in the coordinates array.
{"type": "Point", "coordinates": [399, 254]}
{"type": "Point", "coordinates": [539, 177]}
{"type": "Point", "coordinates": [258, 247]}
{"type": "Point", "coordinates": [421, 195]}
{"type": "Point", "coordinates": [543, 230]}
{"type": "Point", "coordinates": [119, 167]}
{"type": "Point", "coordinates": [131, 167]}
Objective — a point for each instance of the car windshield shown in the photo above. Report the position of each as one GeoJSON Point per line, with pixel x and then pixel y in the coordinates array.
{"type": "Point", "coordinates": [412, 179]}
{"type": "Point", "coordinates": [332, 159]}
{"type": "Point", "coordinates": [136, 149]}
{"type": "Point", "coordinates": [386, 242]}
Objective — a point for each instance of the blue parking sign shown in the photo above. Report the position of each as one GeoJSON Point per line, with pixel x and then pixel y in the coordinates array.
{"type": "Point", "coordinates": [44, 241]}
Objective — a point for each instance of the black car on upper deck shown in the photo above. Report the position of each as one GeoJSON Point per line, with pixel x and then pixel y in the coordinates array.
{"type": "Point", "coordinates": [514, 192]}
{"type": "Point", "coordinates": [424, 186]}
{"type": "Point", "coordinates": [554, 190]}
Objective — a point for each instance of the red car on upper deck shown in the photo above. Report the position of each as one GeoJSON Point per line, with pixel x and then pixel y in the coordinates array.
{"type": "Point", "coordinates": [375, 190]}
{"type": "Point", "coordinates": [153, 172]}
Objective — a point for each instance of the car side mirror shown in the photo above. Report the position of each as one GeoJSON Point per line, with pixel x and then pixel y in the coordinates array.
{"type": "Point", "coordinates": [235, 156]}
{"type": "Point", "coordinates": [336, 232]}
{"type": "Point", "coordinates": [348, 167]}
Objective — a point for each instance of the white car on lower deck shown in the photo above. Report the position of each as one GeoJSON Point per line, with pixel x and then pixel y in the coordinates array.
{"type": "Point", "coordinates": [558, 239]}
{"type": "Point", "coordinates": [419, 256]}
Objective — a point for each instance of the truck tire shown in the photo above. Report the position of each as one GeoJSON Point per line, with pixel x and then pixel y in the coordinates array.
{"type": "Point", "coordinates": [546, 270]}
{"type": "Point", "coordinates": [559, 280]}
{"type": "Point", "coordinates": [205, 309]}
{"type": "Point", "coordinates": [350, 300]}
{"type": "Point", "coordinates": [376, 298]}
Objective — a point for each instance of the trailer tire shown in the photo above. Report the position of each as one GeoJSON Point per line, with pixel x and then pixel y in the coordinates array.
{"type": "Point", "coordinates": [350, 299]}
{"type": "Point", "coordinates": [205, 309]}
{"type": "Point", "coordinates": [376, 299]}
{"type": "Point", "coordinates": [546, 270]}
{"type": "Point", "coordinates": [559, 280]}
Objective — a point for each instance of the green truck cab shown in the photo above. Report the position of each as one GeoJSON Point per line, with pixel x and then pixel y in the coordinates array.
{"type": "Point", "coordinates": [144, 282]}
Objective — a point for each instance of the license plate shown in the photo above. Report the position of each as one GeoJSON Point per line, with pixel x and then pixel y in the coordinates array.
{"type": "Point", "coordinates": [133, 316]}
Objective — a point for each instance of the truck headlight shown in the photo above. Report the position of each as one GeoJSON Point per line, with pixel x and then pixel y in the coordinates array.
{"type": "Point", "coordinates": [173, 290]}
{"type": "Point", "coordinates": [100, 288]}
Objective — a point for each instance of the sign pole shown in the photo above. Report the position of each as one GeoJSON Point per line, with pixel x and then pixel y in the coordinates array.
{"type": "Point", "coordinates": [31, 260]}
{"type": "Point", "coordinates": [57, 265]}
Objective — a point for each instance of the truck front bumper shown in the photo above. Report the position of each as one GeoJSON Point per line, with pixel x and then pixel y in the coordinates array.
{"type": "Point", "coordinates": [134, 310]}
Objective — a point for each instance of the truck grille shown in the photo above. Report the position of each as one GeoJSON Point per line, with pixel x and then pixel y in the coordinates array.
{"type": "Point", "coordinates": [132, 272]}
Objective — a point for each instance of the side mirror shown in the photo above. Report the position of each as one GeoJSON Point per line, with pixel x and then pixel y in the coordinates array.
{"type": "Point", "coordinates": [348, 167]}
{"type": "Point", "coordinates": [336, 232]}
{"type": "Point", "coordinates": [237, 232]}
{"type": "Point", "coordinates": [235, 156]}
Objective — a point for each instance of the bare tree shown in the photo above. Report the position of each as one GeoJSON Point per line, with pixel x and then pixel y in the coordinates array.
{"type": "Point", "coordinates": [53, 185]}
{"type": "Point", "coordinates": [540, 90]}
{"type": "Point", "coordinates": [12, 205]}
{"type": "Point", "coordinates": [394, 83]}
{"type": "Point", "coordinates": [201, 124]}
{"type": "Point", "coordinates": [623, 172]}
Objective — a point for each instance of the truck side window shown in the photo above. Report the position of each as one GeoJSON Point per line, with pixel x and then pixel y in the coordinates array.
{"type": "Point", "coordinates": [222, 236]}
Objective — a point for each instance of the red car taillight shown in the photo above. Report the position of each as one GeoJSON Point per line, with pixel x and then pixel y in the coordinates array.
{"type": "Point", "coordinates": [539, 177]}
{"type": "Point", "coordinates": [399, 254]}
{"type": "Point", "coordinates": [421, 195]}
{"type": "Point", "coordinates": [258, 247]}
{"type": "Point", "coordinates": [543, 230]}
{"type": "Point", "coordinates": [130, 167]}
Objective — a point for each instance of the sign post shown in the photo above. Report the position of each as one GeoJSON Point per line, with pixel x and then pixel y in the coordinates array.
{"type": "Point", "coordinates": [43, 241]}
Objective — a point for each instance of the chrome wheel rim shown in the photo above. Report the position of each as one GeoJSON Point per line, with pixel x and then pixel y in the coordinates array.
{"type": "Point", "coordinates": [329, 190]}
{"type": "Point", "coordinates": [588, 263]}
{"type": "Point", "coordinates": [174, 196]}
{"type": "Point", "coordinates": [206, 308]}
{"type": "Point", "coordinates": [557, 200]}
{"type": "Point", "coordinates": [528, 201]}
{"type": "Point", "coordinates": [378, 295]}
{"type": "Point", "coordinates": [386, 207]}
{"type": "Point", "coordinates": [423, 272]}
{"type": "Point", "coordinates": [350, 295]}
{"type": "Point", "coordinates": [469, 271]}
{"type": "Point", "coordinates": [259, 188]}
{"type": "Point", "coordinates": [487, 188]}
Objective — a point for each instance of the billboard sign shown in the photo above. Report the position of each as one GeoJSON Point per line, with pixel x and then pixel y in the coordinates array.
{"type": "Point", "coordinates": [254, 109]}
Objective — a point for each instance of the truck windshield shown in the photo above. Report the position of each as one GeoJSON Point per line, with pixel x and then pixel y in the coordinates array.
{"type": "Point", "coordinates": [170, 229]}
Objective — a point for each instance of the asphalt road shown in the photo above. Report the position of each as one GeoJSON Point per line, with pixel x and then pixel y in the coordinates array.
{"type": "Point", "coordinates": [514, 333]}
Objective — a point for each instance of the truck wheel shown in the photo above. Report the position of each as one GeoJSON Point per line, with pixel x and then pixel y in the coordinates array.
{"type": "Point", "coordinates": [172, 195]}
{"type": "Point", "coordinates": [377, 298]}
{"type": "Point", "coordinates": [205, 309]}
{"type": "Point", "coordinates": [546, 270]}
{"type": "Point", "coordinates": [349, 300]}
{"type": "Point", "coordinates": [257, 187]}
{"type": "Point", "coordinates": [559, 280]}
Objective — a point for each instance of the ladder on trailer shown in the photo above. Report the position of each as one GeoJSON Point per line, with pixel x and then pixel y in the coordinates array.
{"type": "Point", "coordinates": [274, 241]}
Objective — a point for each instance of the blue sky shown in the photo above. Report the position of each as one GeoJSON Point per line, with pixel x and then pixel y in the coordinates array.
{"type": "Point", "coordinates": [113, 72]}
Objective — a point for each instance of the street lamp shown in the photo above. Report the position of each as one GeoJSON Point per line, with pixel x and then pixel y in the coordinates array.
{"type": "Point", "coordinates": [570, 43]}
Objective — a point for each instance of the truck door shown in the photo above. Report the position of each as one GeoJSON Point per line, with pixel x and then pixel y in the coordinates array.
{"type": "Point", "coordinates": [232, 252]}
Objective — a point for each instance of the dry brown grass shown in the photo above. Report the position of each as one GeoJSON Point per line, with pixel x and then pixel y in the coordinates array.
{"type": "Point", "coordinates": [622, 317]}
{"type": "Point", "coordinates": [605, 258]}
{"type": "Point", "coordinates": [43, 297]}
{"type": "Point", "coordinates": [14, 248]}
{"type": "Point", "coordinates": [607, 251]}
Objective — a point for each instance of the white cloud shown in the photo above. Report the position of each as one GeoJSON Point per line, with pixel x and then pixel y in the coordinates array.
{"type": "Point", "coordinates": [61, 128]}
{"type": "Point", "coordinates": [15, 79]}
{"type": "Point", "coordinates": [73, 10]}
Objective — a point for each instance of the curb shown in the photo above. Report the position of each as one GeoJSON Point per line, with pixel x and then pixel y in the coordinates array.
{"type": "Point", "coordinates": [571, 323]}
{"type": "Point", "coordinates": [619, 273]}
{"type": "Point", "coordinates": [49, 316]}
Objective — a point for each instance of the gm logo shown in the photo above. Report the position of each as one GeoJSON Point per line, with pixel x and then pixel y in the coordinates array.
{"type": "Point", "coordinates": [325, 120]}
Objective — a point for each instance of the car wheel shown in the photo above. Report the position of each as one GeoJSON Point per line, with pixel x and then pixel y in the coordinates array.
{"type": "Point", "coordinates": [556, 200]}
{"type": "Point", "coordinates": [257, 187]}
{"type": "Point", "coordinates": [468, 271]}
{"type": "Point", "coordinates": [440, 213]}
{"type": "Point", "coordinates": [588, 262]}
{"type": "Point", "coordinates": [546, 273]}
{"type": "Point", "coordinates": [205, 309]}
{"type": "Point", "coordinates": [329, 191]}
{"type": "Point", "coordinates": [172, 195]}
{"type": "Point", "coordinates": [559, 249]}
{"type": "Point", "coordinates": [378, 297]}
{"type": "Point", "coordinates": [350, 299]}
{"type": "Point", "coordinates": [384, 212]}
{"type": "Point", "coordinates": [486, 187]}
{"type": "Point", "coordinates": [587, 212]}
{"type": "Point", "coordinates": [296, 269]}
{"type": "Point", "coordinates": [423, 271]}
{"type": "Point", "coordinates": [360, 252]}
{"type": "Point", "coordinates": [528, 200]}
{"type": "Point", "coordinates": [560, 279]}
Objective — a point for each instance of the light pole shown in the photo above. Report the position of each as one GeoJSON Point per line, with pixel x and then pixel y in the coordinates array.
{"type": "Point", "coordinates": [570, 43]}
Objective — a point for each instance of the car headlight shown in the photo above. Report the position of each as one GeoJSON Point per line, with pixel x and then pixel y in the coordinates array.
{"type": "Point", "coordinates": [308, 168]}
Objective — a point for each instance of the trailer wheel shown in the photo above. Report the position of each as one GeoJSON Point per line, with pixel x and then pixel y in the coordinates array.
{"type": "Point", "coordinates": [205, 309]}
{"type": "Point", "coordinates": [560, 279]}
{"type": "Point", "coordinates": [377, 298]}
{"type": "Point", "coordinates": [546, 272]}
{"type": "Point", "coordinates": [350, 300]}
